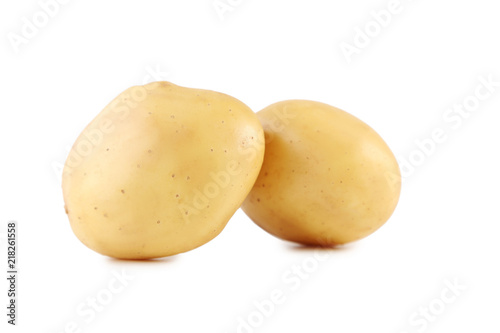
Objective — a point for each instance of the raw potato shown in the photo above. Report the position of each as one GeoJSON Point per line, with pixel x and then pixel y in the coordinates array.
{"type": "Point", "coordinates": [161, 170]}
{"type": "Point", "coordinates": [327, 177]}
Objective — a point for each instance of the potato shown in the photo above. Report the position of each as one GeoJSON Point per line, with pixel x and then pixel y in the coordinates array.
{"type": "Point", "coordinates": [327, 177]}
{"type": "Point", "coordinates": [161, 170]}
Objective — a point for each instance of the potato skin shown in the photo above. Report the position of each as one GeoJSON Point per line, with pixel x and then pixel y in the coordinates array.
{"type": "Point", "coordinates": [327, 177]}
{"type": "Point", "coordinates": [161, 170]}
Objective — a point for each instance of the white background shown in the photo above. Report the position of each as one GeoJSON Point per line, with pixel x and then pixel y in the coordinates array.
{"type": "Point", "coordinates": [428, 58]}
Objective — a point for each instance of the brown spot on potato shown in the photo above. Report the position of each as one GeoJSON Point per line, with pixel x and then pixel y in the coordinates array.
{"type": "Point", "coordinates": [123, 191]}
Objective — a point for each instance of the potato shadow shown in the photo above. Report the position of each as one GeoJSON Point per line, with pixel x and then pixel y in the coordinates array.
{"type": "Point", "coordinates": [311, 248]}
{"type": "Point", "coordinates": [141, 262]}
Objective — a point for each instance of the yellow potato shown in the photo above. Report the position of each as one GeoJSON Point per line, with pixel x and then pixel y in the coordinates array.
{"type": "Point", "coordinates": [327, 177]}
{"type": "Point", "coordinates": [161, 170]}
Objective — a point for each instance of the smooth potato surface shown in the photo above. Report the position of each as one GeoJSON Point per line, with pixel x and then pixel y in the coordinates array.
{"type": "Point", "coordinates": [327, 177]}
{"type": "Point", "coordinates": [161, 170]}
